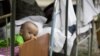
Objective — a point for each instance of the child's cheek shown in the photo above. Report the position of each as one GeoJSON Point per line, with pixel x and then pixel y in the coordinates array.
{"type": "Point", "coordinates": [27, 37]}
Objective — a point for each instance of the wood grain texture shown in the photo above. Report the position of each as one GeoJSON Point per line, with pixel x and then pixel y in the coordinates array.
{"type": "Point", "coordinates": [37, 47]}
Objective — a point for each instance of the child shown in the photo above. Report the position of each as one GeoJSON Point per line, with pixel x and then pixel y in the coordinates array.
{"type": "Point", "coordinates": [38, 22]}
{"type": "Point", "coordinates": [31, 30]}
{"type": "Point", "coordinates": [28, 31]}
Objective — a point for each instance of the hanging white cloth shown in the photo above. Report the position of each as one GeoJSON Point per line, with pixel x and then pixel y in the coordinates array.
{"type": "Point", "coordinates": [89, 11]}
{"type": "Point", "coordinates": [58, 38]}
{"type": "Point", "coordinates": [71, 21]}
{"type": "Point", "coordinates": [98, 9]}
{"type": "Point", "coordinates": [59, 15]}
{"type": "Point", "coordinates": [97, 5]}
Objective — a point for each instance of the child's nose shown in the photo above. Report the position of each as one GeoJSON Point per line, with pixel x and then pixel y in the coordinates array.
{"type": "Point", "coordinates": [31, 35]}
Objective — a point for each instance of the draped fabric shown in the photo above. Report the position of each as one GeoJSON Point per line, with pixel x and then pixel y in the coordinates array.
{"type": "Point", "coordinates": [59, 16]}
{"type": "Point", "coordinates": [26, 8]}
{"type": "Point", "coordinates": [89, 11]}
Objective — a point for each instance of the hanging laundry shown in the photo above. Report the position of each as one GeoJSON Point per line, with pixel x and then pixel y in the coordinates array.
{"type": "Point", "coordinates": [97, 5]}
{"type": "Point", "coordinates": [59, 15]}
{"type": "Point", "coordinates": [72, 24]}
{"type": "Point", "coordinates": [89, 11]}
{"type": "Point", "coordinates": [71, 14]}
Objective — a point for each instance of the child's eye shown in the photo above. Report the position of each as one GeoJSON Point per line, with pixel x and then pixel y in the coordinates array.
{"type": "Point", "coordinates": [30, 32]}
{"type": "Point", "coordinates": [34, 34]}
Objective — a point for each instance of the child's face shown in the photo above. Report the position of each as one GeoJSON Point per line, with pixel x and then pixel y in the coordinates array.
{"type": "Point", "coordinates": [29, 31]}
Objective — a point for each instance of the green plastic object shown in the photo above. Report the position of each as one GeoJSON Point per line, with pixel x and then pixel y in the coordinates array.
{"type": "Point", "coordinates": [6, 42]}
{"type": "Point", "coordinates": [19, 39]}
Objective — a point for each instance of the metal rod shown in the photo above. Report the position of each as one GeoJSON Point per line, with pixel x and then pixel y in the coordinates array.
{"type": "Point", "coordinates": [6, 32]}
{"type": "Point", "coordinates": [91, 39]}
{"type": "Point", "coordinates": [89, 44]}
{"type": "Point", "coordinates": [66, 28]}
{"type": "Point", "coordinates": [52, 37]}
{"type": "Point", "coordinates": [52, 32]}
{"type": "Point", "coordinates": [84, 39]}
{"type": "Point", "coordinates": [13, 10]}
{"type": "Point", "coordinates": [78, 17]}
{"type": "Point", "coordinates": [4, 16]}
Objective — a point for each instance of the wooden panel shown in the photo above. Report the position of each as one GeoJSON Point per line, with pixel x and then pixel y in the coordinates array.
{"type": "Point", "coordinates": [37, 47]}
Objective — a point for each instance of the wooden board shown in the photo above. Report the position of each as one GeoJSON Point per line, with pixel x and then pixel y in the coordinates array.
{"type": "Point", "coordinates": [37, 47]}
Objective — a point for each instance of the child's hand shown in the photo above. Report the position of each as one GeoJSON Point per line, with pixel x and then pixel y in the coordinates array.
{"type": "Point", "coordinates": [35, 38]}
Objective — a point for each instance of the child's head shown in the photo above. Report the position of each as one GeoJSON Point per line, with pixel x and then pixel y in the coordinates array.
{"type": "Point", "coordinates": [28, 30]}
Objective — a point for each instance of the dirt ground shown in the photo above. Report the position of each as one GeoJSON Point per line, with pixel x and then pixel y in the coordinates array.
{"type": "Point", "coordinates": [85, 53]}
{"type": "Point", "coordinates": [83, 48]}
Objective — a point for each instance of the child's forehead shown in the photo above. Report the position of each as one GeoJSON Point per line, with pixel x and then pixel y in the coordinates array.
{"type": "Point", "coordinates": [27, 25]}
{"type": "Point", "coordinates": [31, 24]}
{"type": "Point", "coordinates": [31, 27]}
